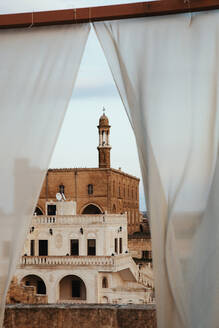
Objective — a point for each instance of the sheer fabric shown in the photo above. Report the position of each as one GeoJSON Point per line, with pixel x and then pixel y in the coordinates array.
{"type": "Point", "coordinates": [38, 68]}
{"type": "Point", "coordinates": [166, 71]}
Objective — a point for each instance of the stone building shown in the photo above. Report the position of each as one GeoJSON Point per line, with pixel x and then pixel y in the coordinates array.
{"type": "Point", "coordinates": [77, 249]}
{"type": "Point", "coordinates": [82, 259]}
{"type": "Point", "coordinates": [94, 190]}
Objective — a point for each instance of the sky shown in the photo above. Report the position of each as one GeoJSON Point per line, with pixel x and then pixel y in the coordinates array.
{"type": "Point", "coordinates": [78, 139]}
{"type": "Point", "coordinates": [94, 89]}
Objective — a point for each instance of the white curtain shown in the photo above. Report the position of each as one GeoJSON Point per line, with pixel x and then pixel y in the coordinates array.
{"type": "Point", "coordinates": [38, 68]}
{"type": "Point", "coordinates": [166, 71]}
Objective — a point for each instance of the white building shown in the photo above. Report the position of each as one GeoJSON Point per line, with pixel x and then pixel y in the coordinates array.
{"type": "Point", "coordinates": [83, 259]}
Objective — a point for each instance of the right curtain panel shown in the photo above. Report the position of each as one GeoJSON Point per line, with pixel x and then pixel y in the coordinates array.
{"type": "Point", "coordinates": [166, 71]}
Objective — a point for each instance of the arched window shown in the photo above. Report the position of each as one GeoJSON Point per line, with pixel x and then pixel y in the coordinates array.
{"type": "Point", "coordinates": [105, 299]}
{"type": "Point", "coordinates": [72, 287]}
{"type": "Point", "coordinates": [104, 282]}
{"type": "Point", "coordinates": [91, 209]}
{"type": "Point", "coordinates": [90, 189]}
{"type": "Point", "coordinates": [62, 189]}
{"type": "Point", "coordinates": [35, 281]}
{"type": "Point", "coordinates": [38, 211]}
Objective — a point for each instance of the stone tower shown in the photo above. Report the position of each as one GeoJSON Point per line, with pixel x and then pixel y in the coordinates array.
{"type": "Point", "coordinates": [104, 146]}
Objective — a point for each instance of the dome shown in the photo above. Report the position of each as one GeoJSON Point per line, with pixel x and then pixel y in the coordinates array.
{"type": "Point", "coordinates": [103, 121]}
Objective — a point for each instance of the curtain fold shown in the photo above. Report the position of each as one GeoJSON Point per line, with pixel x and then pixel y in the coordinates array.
{"type": "Point", "coordinates": [38, 69]}
{"type": "Point", "coordinates": [166, 71]}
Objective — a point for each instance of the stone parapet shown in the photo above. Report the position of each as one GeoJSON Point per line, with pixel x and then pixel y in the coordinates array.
{"type": "Point", "coordinates": [66, 260]}
{"type": "Point", "coordinates": [80, 219]}
{"type": "Point", "coordinates": [115, 263]}
{"type": "Point", "coordinates": [80, 316]}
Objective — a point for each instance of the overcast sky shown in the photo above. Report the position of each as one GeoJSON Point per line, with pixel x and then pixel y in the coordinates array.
{"type": "Point", "coordinates": [78, 140]}
{"type": "Point", "coordinates": [95, 88]}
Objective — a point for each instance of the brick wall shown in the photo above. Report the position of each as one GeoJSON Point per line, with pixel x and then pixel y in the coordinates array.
{"type": "Point", "coordinates": [137, 245]}
{"type": "Point", "coordinates": [113, 191]}
{"type": "Point", "coordinates": [80, 316]}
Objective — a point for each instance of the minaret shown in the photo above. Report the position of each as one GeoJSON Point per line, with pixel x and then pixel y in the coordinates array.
{"type": "Point", "coordinates": [104, 146]}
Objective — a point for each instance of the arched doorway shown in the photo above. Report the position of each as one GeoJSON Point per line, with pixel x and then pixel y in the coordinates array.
{"type": "Point", "coordinates": [37, 282]}
{"type": "Point", "coordinates": [72, 287]}
{"type": "Point", "coordinates": [38, 211]}
{"type": "Point", "coordinates": [91, 209]}
{"type": "Point", "coordinates": [105, 299]}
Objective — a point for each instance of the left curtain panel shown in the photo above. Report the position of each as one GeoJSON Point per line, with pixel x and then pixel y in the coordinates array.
{"type": "Point", "coordinates": [38, 68]}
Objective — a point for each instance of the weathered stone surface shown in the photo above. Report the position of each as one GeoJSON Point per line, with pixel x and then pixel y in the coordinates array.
{"type": "Point", "coordinates": [19, 293]}
{"type": "Point", "coordinates": [80, 316]}
{"type": "Point", "coordinates": [136, 316]}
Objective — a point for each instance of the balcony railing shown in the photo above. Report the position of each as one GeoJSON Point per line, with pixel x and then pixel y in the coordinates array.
{"type": "Point", "coordinates": [80, 219]}
{"type": "Point", "coordinates": [118, 262]}
{"type": "Point", "coordinates": [66, 260]}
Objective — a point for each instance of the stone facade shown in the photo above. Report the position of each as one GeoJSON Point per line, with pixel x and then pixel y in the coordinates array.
{"type": "Point", "coordinates": [83, 259]}
{"type": "Point", "coordinates": [113, 191]}
{"type": "Point", "coordinates": [80, 316]}
{"type": "Point", "coordinates": [140, 247]}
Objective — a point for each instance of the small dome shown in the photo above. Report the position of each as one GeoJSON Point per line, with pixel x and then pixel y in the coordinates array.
{"type": "Point", "coordinates": [103, 121]}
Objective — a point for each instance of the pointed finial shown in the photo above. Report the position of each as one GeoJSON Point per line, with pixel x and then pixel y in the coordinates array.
{"type": "Point", "coordinates": [104, 111]}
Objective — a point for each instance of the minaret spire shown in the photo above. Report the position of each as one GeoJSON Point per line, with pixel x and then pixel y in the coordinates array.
{"type": "Point", "coordinates": [104, 146]}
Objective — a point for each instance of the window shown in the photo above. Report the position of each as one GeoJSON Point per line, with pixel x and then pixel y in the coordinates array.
{"type": "Point", "coordinates": [120, 245]}
{"type": "Point", "coordinates": [51, 209]}
{"type": "Point", "coordinates": [90, 189]}
{"type": "Point", "coordinates": [74, 245]}
{"type": "Point", "coordinates": [41, 288]}
{"type": "Point", "coordinates": [62, 189]}
{"type": "Point", "coordinates": [116, 245]}
{"type": "Point", "coordinates": [104, 282]}
{"type": "Point", "coordinates": [32, 247]}
{"type": "Point", "coordinates": [76, 288]}
{"type": "Point", "coordinates": [38, 211]}
{"type": "Point", "coordinates": [147, 255]}
{"type": "Point", "coordinates": [141, 228]}
{"type": "Point", "coordinates": [43, 247]}
{"type": "Point", "coordinates": [91, 247]}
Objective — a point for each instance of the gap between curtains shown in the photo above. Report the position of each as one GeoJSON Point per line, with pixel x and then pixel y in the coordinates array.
{"type": "Point", "coordinates": [166, 71]}
{"type": "Point", "coordinates": [38, 69]}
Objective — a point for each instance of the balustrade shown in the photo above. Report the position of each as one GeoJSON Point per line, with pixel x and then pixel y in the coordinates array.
{"type": "Point", "coordinates": [80, 219]}
{"type": "Point", "coordinates": [67, 260]}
